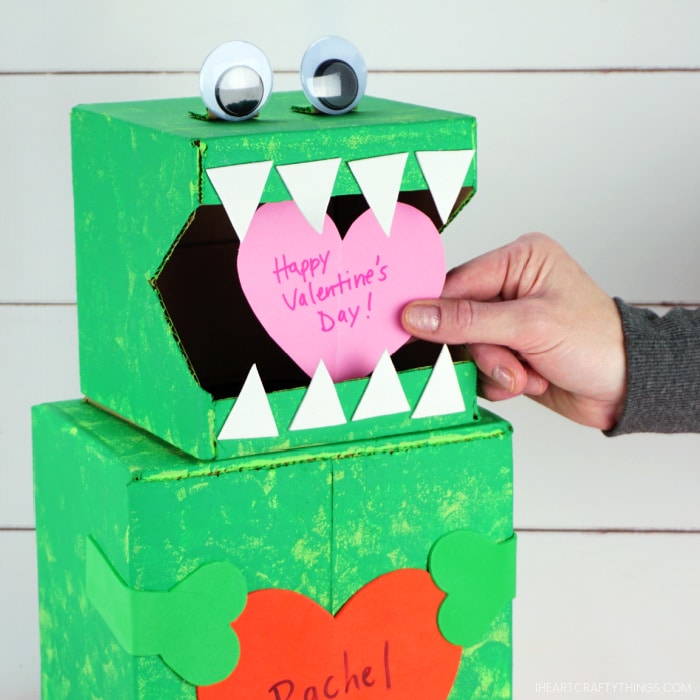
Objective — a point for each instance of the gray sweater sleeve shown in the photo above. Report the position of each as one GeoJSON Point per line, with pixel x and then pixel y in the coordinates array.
{"type": "Point", "coordinates": [663, 371]}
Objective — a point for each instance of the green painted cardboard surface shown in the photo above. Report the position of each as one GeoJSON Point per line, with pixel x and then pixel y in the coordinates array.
{"type": "Point", "coordinates": [97, 476]}
{"type": "Point", "coordinates": [414, 496]}
{"type": "Point", "coordinates": [322, 520]}
{"type": "Point", "coordinates": [139, 178]}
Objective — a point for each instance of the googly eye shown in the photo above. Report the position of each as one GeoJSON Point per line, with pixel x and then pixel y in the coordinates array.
{"type": "Point", "coordinates": [333, 75]}
{"type": "Point", "coordinates": [235, 81]}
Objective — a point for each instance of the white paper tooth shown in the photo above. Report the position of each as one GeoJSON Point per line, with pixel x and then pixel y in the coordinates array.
{"type": "Point", "coordinates": [320, 406]}
{"type": "Point", "coordinates": [380, 181]}
{"type": "Point", "coordinates": [311, 186]}
{"type": "Point", "coordinates": [240, 188]}
{"type": "Point", "coordinates": [251, 415]}
{"type": "Point", "coordinates": [442, 394]}
{"type": "Point", "coordinates": [384, 395]}
{"type": "Point", "coordinates": [444, 171]}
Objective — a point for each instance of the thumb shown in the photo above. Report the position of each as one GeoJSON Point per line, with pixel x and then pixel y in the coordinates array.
{"type": "Point", "coordinates": [457, 321]}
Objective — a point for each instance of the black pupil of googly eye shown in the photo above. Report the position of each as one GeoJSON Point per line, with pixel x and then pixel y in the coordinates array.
{"type": "Point", "coordinates": [239, 91]}
{"type": "Point", "coordinates": [335, 84]}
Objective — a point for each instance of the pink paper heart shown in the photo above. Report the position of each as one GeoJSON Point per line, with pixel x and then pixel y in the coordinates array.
{"type": "Point", "coordinates": [321, 297]}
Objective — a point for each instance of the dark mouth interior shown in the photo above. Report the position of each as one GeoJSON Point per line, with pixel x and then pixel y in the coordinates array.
{"type": "Point", "coordinates": [218, 333]}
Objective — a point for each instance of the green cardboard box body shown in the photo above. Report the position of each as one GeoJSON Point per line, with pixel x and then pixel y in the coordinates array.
{"type": "Point", "coordinates": [322, 521]}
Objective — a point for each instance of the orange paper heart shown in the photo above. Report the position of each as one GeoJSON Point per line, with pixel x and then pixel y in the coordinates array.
{"type": "Point", "coordinates": [384, 644]}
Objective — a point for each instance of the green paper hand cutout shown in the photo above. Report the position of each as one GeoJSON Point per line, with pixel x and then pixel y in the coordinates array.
{"type": "Point", "coordinates": [189, 626]}
{"type": "Point", "coordinates": [478, 576]}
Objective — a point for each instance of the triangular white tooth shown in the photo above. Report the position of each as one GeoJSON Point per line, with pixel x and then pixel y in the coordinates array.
{"type": "Point", "coordinates": [240, 188]}
{"type": "Point", "coordinates": [251, 415]}
{"type": "Point", "coordinates": [444, 171]}
{"type": "Point", "coordinates": [320, 406]}
{"type": "Point", "coordinates": [442, 394]}
{"type": "Point", "coordinates": [380, 181]}
{"type": "Point", "coordinates": [384, 395]}
{"type": "Point", "coordinates": [311, 186]}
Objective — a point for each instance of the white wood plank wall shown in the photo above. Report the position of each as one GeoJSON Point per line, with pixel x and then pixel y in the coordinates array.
{"type": "Point", "coordinates": [589, 129]}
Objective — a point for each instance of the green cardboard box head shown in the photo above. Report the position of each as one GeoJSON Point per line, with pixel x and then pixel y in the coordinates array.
{"type": "Point", "coordinates": [162, 202]}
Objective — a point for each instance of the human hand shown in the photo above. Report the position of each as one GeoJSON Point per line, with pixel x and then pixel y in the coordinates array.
{"type": "Point", "coordinates": [535, 323]}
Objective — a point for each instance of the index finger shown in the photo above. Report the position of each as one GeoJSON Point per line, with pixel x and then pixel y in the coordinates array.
{"type": "Point", "coordinates": [480, 279]}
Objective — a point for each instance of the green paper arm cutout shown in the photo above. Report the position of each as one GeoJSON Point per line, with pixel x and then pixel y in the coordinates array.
{"type": "Point", "coordinates": [310, 109]}
{"type": "Point", "coordinates": [189, 626]}
{"type": "Point", "coordinates": [478, 577]}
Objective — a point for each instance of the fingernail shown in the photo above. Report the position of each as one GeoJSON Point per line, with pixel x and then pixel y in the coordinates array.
{"type": "Point", "coordinates": [536, 386]}
{"type": "Point", "coordinates": [504, 378]}
{"type": "Point", "coordinates": [423, 318]}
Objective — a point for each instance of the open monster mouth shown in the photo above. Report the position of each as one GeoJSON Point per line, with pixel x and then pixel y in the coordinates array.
{"type": "Point", "coordinates": [201, 291]}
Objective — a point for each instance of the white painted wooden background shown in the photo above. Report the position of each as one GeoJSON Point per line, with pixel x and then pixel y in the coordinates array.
{"type": "Point", "coordinates": [589, 130]}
